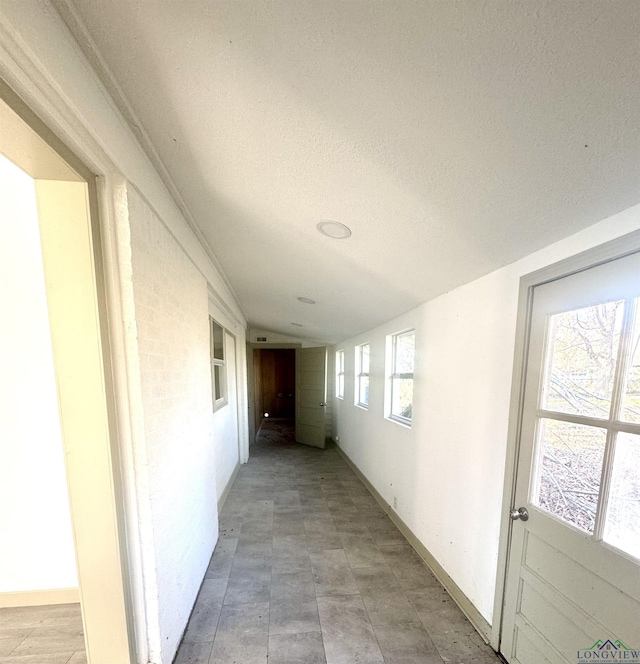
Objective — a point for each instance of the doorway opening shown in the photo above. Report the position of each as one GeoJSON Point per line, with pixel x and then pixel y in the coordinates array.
{"type": "Point", "coordinates": [274, 371]}
{"type": "Point", "coordinates": [288, 384]}
{"type": "Point", "coordinates": [38, 575]}
{"type": "Point", "coordinates": [62, 581]}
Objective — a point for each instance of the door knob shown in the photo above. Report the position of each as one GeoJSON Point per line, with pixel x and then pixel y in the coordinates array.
{"type": "Point", "coordinates": [323, 403]}
{"type": "Point", "coordinates": [521, 513]}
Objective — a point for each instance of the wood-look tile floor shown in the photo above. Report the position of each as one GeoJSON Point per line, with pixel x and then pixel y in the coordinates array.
{"type": "Point", "coordinates": [42, 635]}
{"type": "Point", "coordinates": [309, 570]}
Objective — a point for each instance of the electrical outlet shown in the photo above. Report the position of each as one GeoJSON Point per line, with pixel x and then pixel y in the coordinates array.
{"type": "Point", "coordinates": [395, 502]}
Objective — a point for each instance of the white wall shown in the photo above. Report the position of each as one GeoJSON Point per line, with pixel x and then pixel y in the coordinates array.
{"type": "Point", "coordinates": [170, 299]}
{"type": "Point", "coordinates": [36, 546]}
{"type": "Point", "coordinates": [447, 470]}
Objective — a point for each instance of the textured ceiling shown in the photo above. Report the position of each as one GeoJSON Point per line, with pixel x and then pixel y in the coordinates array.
{"type": "Point", "coordinates": [451, 137]}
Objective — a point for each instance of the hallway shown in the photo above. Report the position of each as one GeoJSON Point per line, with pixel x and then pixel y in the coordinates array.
{"type": "Point", "coordinates": [308, 569]}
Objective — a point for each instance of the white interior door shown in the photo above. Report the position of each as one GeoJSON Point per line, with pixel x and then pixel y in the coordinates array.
{"type": "Point", "coordinates": [311, 381]}
{"type": "Point", "coordinates": [573, 581]}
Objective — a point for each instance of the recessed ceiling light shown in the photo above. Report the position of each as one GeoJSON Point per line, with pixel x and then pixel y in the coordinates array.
{"type": "Point", "coordinates": [307, 300]}
{"type": "Point", "coordinates": [334, 229]}
{"type": "Point", "coordinates": [297, 324]}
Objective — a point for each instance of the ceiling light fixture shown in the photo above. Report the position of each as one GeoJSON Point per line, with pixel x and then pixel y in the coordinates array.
{"type": "Point", "coordinates": [307, 300]}
{"type": "Point", "coordinates": [334, 229]}
{"type": "Point", "coordinates": [297, 324]}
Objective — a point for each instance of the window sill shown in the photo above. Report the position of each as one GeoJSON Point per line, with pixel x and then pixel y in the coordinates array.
{"type": "Point", "coordinates": [219, 404]}
{"type": "Point", "coordinates": [402, 422]}
{"type": "Point", "coordinates": [361, 406]}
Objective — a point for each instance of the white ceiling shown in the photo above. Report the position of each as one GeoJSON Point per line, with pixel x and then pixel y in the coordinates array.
{"type": "Point", "coordinates": [451, 137]}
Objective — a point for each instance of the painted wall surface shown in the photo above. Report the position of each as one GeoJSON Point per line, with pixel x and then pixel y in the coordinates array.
{"type": "Point", "coordinates": [171, 307]}
{"type": "Point", "coordinates": [453, 457]}
{"type": "Point", "coordinates": [36, 546]}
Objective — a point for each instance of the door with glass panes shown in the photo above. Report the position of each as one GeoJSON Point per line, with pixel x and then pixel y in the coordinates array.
{"type": "Point", "coordinates": [573, 580]}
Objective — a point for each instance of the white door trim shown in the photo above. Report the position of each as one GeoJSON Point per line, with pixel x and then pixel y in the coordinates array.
{"type": "Point", "coordinates": [604, 253]}
{"type": "Point", "coordinates": [29, 93]}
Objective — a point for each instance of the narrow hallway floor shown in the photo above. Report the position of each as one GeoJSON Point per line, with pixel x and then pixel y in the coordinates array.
{"type": "Point", "coordinates": [310, 570]}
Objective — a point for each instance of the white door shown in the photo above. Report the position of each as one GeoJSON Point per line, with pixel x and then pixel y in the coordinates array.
{"type": "Point", "coordinates": [311, 380]}
{"type": "Point", "coordinates": [573, 581]}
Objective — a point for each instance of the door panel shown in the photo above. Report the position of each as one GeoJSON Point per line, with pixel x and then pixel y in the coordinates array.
{"type": "Point", "coordinates": [549, 613]}
{"type": "Point", "coordinates": [578, 472]}
{"type": "Point", "coordinates": [311, 376]}
{"type": "Point", "coordinates": [527, 652]}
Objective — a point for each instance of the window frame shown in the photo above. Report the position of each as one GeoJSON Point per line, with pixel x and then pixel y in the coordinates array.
{"type": "Point", "coordinates": [359, 375]}
{"type": "Point", "coordinates": [613, 424]}
{"type": "Point", "coordinates": [395, 376]}
{"type": "Point", "coordinates": [219, 365]}
{"type": "Point", "coordinates": [340, 374]}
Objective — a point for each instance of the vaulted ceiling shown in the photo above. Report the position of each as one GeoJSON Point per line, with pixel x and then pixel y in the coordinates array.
{"type": "Point", "coordinates": [451, 137]}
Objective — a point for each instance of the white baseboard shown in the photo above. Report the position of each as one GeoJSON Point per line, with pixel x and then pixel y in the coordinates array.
{"type": "Point", "coordinates": [40, 597]}
{"type": "Point", "coordinates": [475, 617]}
{"type": "Point", "coordinates": [225, 493]}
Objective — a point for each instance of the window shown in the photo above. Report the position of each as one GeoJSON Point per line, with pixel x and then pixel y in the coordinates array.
{"type": "Point", "coordinates": [589, 400]}
{"type": "Point", "coordinates": [218, 373]}
{"type": "Point", "coordinates": [401, 376]}
{"type": "Point", "coordinates": [362, 376]}
{"type": "Point", "coordinates": [340, 374]}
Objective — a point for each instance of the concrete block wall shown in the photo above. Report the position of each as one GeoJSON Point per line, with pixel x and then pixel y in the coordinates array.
{"type": "Point", "coordinates": [171, 318]}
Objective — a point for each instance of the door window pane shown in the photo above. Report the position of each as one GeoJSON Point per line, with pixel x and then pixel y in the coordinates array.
{"type": "Point", "coordinates": [582, 350]}
{"type": "Point", "coordinates": [622, 526]}
{"type": "Point", "coordinates": [631, 401]}
{"type": "Point", "coordinates": [567, 471]}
